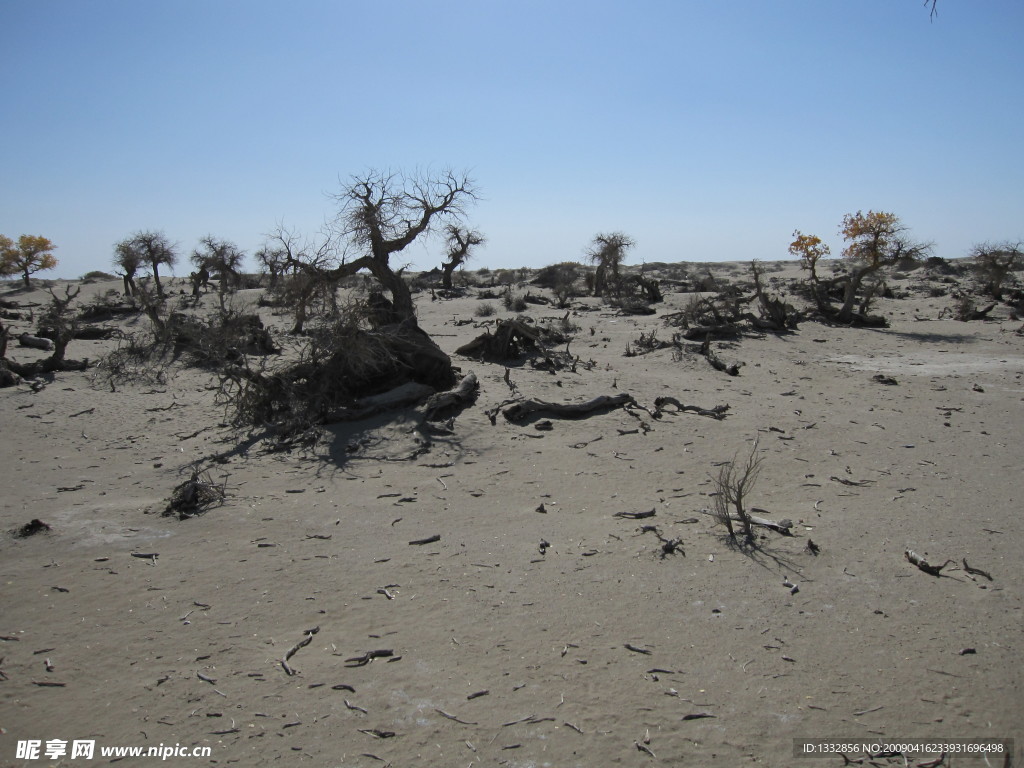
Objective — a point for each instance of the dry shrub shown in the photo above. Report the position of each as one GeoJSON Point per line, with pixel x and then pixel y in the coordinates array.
{"type": "Point", "coordinates": [515, 302]}
{"type": "Point", "coordinates": [195, 496]}
{"type": "Point", "coordinates": [139, 359]}
{"type": "Point", "coordinates": [733, 484]}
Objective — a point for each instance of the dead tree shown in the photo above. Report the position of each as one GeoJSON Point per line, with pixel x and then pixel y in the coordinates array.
{"type": "Point", "coordinates": [147, 248]}
{"type": "Point", "coordinates": [460, 241]}
{"type": "Point", "coordinates": [776, 314]}
{"type": "Point", "coordinates": [993, 263]}
{"type": "Point", "coordinates": [382, 214]}
{"type": "Point", "coordinates": [608, 251]}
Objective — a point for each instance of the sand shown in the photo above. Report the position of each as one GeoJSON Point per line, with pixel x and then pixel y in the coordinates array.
{"type": "Point", "coordinates": [594, 649]}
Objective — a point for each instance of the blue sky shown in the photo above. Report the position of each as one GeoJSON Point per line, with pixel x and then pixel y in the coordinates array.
{"type": "Point", "coordinates": [704, 129]}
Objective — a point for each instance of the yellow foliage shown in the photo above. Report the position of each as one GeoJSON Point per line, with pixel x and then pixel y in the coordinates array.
{"type": "Point", "coordinates": [31, 254]}
{"type": "Point", "coordinates": [870, 235]}
{"type": "Point", "coordinates": [808, 248]}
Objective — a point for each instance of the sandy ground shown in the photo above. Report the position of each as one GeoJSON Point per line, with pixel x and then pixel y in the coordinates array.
{"type": "Point", "coordinates": [596, 650]}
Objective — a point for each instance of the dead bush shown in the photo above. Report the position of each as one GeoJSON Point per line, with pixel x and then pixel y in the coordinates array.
{"type": "Point", "coordinates": [733, 484]}
{"type": "Point", "coordinates": [514, 302]}
{"type": "Point", "coordinates": [195, 496]}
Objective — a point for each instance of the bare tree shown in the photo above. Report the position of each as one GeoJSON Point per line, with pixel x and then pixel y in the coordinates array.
{"type": "Point", "coordinates": [383, 213]}
{"type": "Point", "coordinates": [993, 262]}
{"type": "Point", "coordinates": [274, 261]}
{"type": "Point", "coordinates": [311, 265]}
{"type": "Point", "coordinates": [220, 257]}
{"type": "Point", "coordinates": [128, 259]}
{"type": "Point", "coordinates": [150, 248]}
{"type": "Point", "coordinates": [608, 251]}
{"type": "Point", "coordinates": [62, 322]}
{"type": "Point", "coordinates": [460, 240]}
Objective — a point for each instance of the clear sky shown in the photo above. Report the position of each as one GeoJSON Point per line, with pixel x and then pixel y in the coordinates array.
{"type": "Point", "coordinates": [704, 129]}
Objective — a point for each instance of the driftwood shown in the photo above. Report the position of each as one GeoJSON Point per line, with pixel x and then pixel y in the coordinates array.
{"type": "Point", "coordinates": [716, 362]}
{"type": "Point", "coordinates": [785, 527]}
{"type": "Point", "coordinates": [463, 393]}
{"type": "Point", "coordinates": [524, 408]}
{"type": "Point", "coordinates": [409, 393]}
{"type": "Point", "coordinates": [48, 365]}
{"type": "Point", "coordinates": [35, 342]}
{"type": "Point", "coordinates": [718, 412]}
{"type": "Point", "coordinates": [295, 649]}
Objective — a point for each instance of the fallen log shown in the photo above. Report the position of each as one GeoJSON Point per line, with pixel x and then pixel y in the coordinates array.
{"type": "Point", "coordinates": [524, 408]}
{"type": "Point", "coordinates": [464, 392]}
{"type": "Point", "coordinates": [35, 342]}
{"type": "Point", "coordinates": [410, 393]}
{"type": "Point", "coordinates": [716, 362]}
{"type": "Point", "coordinates": [47, 365]}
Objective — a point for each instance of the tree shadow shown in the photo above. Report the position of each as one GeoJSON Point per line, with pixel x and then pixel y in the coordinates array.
{"type": "Point", "coordinates": [763, 554]}
{"type": "Point", "coordinates": [395, 436]}
{"type": "Point", "coordinates": [929, 338]}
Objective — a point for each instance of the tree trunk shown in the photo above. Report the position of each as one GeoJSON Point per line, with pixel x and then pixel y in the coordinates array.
{"type": "Point", "coordinates": [28, 283]}
{"type": "Point", "coordinates": [401, 296]}
{"type": "Point", "coordinates": [600, 280]}
{"type": "Point", "coordinates": [853, 283]}
{"type": "Point", "coordinates": [156, 280]}
{"type": "Point", "coordinates": [446, 276]}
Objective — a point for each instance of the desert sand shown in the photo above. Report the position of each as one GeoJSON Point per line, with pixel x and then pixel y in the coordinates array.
{"type": "Point", "coordinates": [546, 626]}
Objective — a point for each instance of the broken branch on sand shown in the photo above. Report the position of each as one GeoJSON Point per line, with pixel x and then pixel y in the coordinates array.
{"type": "Point", "coordinates": [366, 658]}
{"type": "Point", "coordinates": [732, 369]}
{"type": "Point", "coordinates": [524, 408]}
{"type": "Point", "coordinates": [785, 527]}
{"type": "Point", "coordinates": [428, 540]}
{"type": "Point", "coordinates": [295, 648]}
{"type": "Point", "coordinates": [718, 412]}
{"type": "Point", "coordinates": [924, 565]}
{"type": "Point", "coordinates": [976, 571]}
